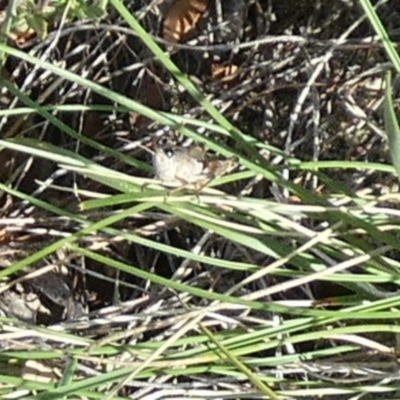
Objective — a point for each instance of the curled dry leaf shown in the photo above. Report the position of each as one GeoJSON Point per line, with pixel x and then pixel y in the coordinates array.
{"type": "Point", "coordinates": [181, 18]}
{"type": "Point", "coordinates": [226, 74]}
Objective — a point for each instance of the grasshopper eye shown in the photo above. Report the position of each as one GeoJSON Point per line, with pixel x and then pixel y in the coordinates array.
{"type": "Point", "coordinates": [169, 152]}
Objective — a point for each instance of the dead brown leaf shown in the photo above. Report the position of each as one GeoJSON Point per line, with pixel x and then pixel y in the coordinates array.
{"type": "Point", "coordinates": [181, 18]}
{"type": "Point", "coordinates": [226, 74]}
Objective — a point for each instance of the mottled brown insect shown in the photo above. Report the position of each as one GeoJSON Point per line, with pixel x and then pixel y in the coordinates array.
{"type": "Point", "coordinates": [186, 165]}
